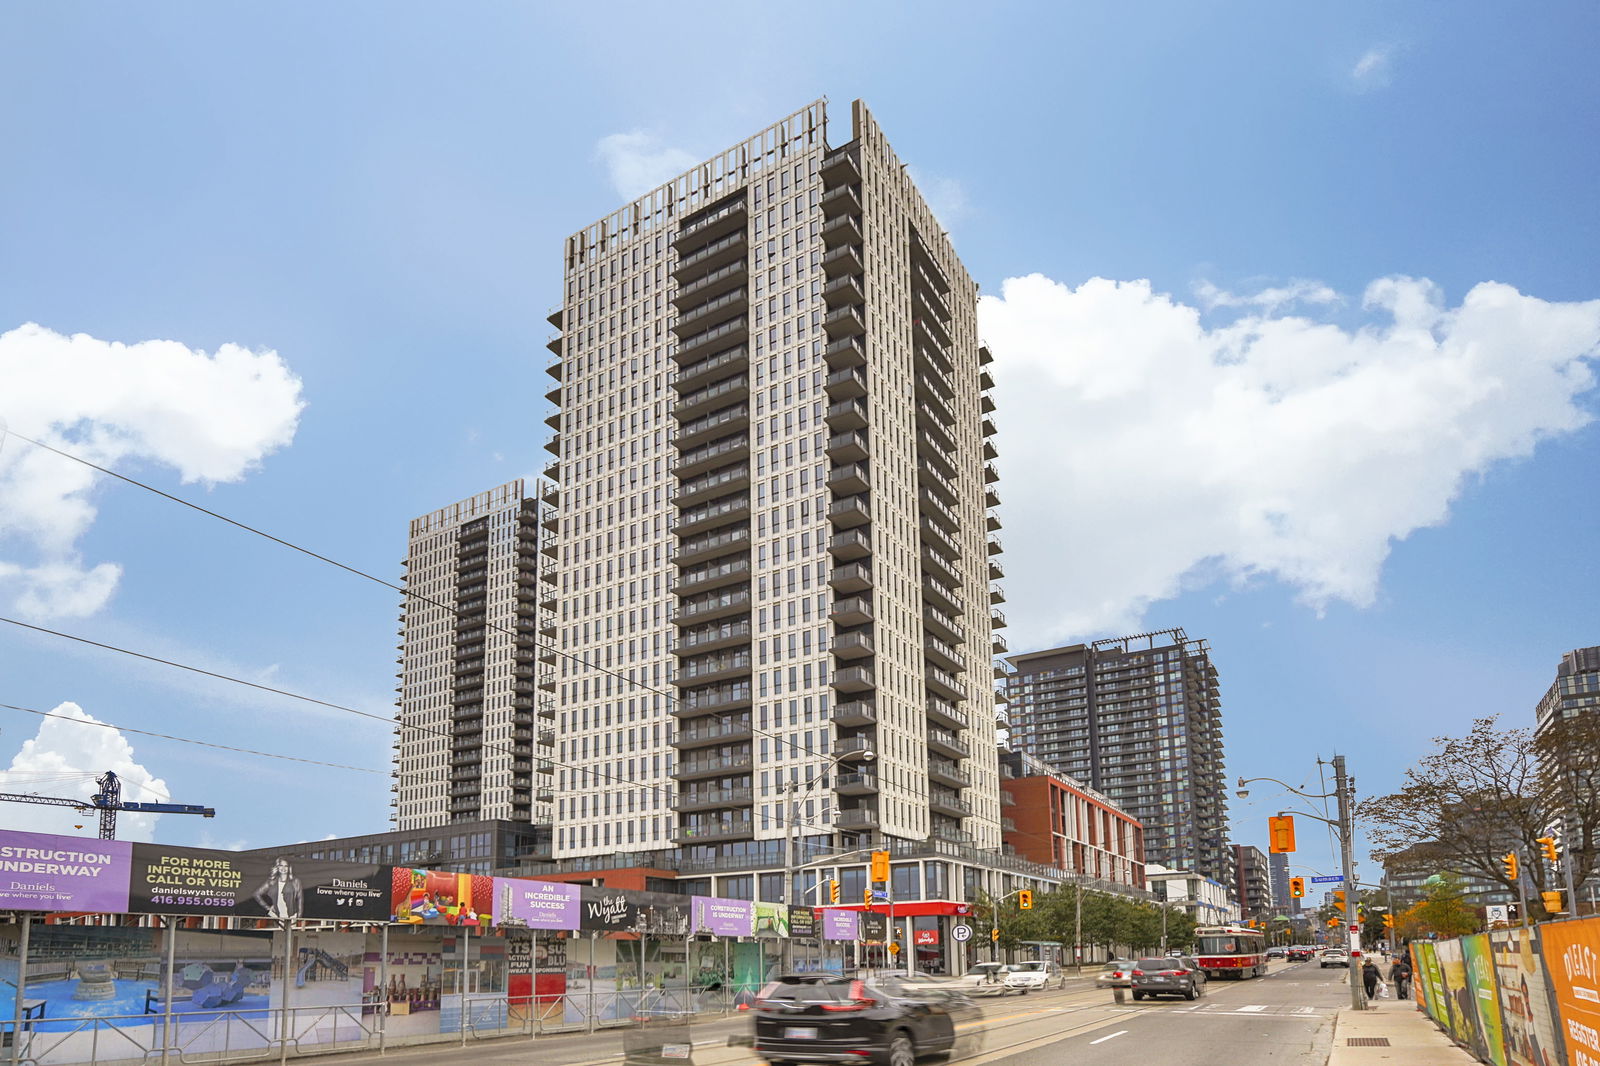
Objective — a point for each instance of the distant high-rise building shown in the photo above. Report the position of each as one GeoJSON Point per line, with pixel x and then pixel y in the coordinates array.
{"type": "Point", "coordinates": [1284, 903]}
{"type": "Point", "coordinates": [467, 744]}
{"type": "Point", "coordinates": [1575, 690]}
{"type": "Point", "coordinates": [772, 436]}
{"type": "Point", "coordinates": [1252, 881]}
{"type": "Point", "coordinates": [1138, 718]}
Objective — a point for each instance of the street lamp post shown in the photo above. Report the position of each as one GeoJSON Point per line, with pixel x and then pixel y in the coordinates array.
{"type": "Point", "coordinates": [795, 790]}
{"type": "Point", "coordinates": [1343, 792]}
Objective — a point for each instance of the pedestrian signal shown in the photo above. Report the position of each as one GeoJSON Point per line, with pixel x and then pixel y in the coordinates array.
{"type": "Point", "coordinates": [1297, 887]}
{"type": "Point", "coordinates": [1548, 846]}
{"type": "Point", "coordinates": [1509, 861]}
{"type": "Point", "coordinates": [1280, 834]}
{"type": "Point", "coordinates": [1552, 902]}
{"type": "Point", "coordinates": [880, 866]}
{"type": "Point", "coordinates": [1025, 899]}
{"type": "Point", "coordinates": [833, 892]}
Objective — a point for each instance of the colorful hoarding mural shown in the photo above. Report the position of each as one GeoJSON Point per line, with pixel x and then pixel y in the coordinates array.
{"type": "Point", "coordinates": [1526, 1025]}
{"type": "Point", "coordinates": [1572, 962]}
{"type": "Point", "coordinates": [434, 897]}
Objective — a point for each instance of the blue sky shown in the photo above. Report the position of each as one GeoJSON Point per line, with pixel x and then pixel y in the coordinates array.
{"type": "Point", "coordinates": [377, 193]}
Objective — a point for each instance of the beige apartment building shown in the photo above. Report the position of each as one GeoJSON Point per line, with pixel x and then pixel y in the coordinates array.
{"type": "Point", "coordinates": [775, 546]}
{"type": "Point", "coordinates": [467, 744]}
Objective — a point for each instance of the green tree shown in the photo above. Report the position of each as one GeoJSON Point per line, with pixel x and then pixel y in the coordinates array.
{"type": "Point", "coordinates": [1443, 911]}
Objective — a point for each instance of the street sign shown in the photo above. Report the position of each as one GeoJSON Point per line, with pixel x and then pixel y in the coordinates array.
{"type": "Point", "coordinates": [962, 933]}
{"type": "Point", "coordinates": [894, 949]}
{"type": "Point", "coordinates": [1326, 880]}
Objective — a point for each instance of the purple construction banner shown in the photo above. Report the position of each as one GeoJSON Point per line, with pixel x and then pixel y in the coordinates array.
{"type": "Point", "coordinates": [536, 904]}
{"type": "Point", "coordinates": [722, 917]}
{"type": "Point", "coordinates": [839, 925]}
{"type": "Point", "coordinates": [43, 872]}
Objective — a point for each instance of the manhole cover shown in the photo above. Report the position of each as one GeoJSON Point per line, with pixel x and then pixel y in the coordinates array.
{"type": "Point", "coordinates": [1366, 1041]}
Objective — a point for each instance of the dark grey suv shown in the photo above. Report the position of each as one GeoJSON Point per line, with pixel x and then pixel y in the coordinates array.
{"type": "Point", "coordinates": [888, 1020]}
{"type": "Point", "coordinates": [1164, 977]}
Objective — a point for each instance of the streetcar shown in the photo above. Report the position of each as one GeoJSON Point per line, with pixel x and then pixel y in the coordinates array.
{"type": "Point", "coordinates": [1231, 950]}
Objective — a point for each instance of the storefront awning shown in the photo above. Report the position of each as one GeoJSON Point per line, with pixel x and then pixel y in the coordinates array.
{"type": "Point", "coordinates": [911, 908]}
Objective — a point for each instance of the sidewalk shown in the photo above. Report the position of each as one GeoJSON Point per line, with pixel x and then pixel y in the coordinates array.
{"type": "Point", "coordinates": [1408, 1036]}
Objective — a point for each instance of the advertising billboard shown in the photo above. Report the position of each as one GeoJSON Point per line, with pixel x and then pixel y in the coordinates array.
{"type": "Point", "coordinates": [1572, 959]}
{"type": "Point", "coordinates": [435, 897]}
{"type": "Point", "coordinates": [536, 904]}
{"type": "Point", "coordinates": [722, 917]}
{"type": "Point", "coordinates": [43, 872]}
{"type": "Point", "coordinates": [169, 880]}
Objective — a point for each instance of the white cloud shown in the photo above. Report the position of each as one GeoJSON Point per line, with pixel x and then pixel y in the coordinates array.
{"type": "Point", "coordinates": [1373, 69]}
{"type": "Point", "coordinates": [63, 759]}
{"type": "Point", "coordinates": [1267, 300]}
{"type": "Point", "coordinates": [211, 417]}
{"type": "Point", "coordinates": [637, 162]}
{"type": "Point", "coordinates": [1145, 452]}
{"type": "Point", "coordinates": [945, 197]}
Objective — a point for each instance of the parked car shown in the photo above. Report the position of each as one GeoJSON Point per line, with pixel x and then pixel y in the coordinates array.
{"type": "Point", "coordinates": [1300, 953]}
{"type": "Point", "coordinates": [1277, 953]}
{"type": "Point", "coordinates": [892, 1018]}
{"type": "Point", "coordinates": [1117, 973]}
{"type": "Point", "coordinates": [985, 979]}
{"type": "Point", "coordinates": [1164, 977]}
{"type": "Point", "coordinates": [1035, 976]}
{"type": "Point", "coordinates": [1334, 957]}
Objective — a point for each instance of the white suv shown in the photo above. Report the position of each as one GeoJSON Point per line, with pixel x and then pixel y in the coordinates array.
{"type": "Point", "coordinates": [1032, 976]}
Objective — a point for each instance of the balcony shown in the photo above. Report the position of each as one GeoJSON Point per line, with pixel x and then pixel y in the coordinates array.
{"type": "Point", "coordinates": [843, 229]}
{"type": "Point", "coordinates": [707, 456]}
{"type": "Point", "coordinates": [843, 291]}
{"type": "Point", "coordinates": [844, 200]}
{"type": "Point", "coordinates": [853, 645]}
{"type": "Point", "coordinates": [997, 620]}
{"type": "Point", "coordinates": [847, 414]}
{"type": "Point", "coordinates": [849, 512]}
{"type": "Point", "coordinates": [839, 166]}
{"type": "Point", "coordinates": [714, 666]}
{"type": "Point", "coordinates": [855, 611]}
{"type": "Point", "coordinates": [722, 511]}
{"type": "Point", "coordinates": [853, 713]}
{"type": "Point", "coordinates": [703, 316]}
{"type": "Point", "coordinates": [940, 539]}
{"type": "Point", "coordinates": [732, 696]}
{"type": "Point", "coordinates": [991, 497]}
{"type": "Point", "coordinates": [856, 818]}
{"type": "Point", "coordinates": [697, 799]}
{"type": "Point", "coordinates": [996, 571]}
{"type": "Point", "coordinates": [845, 352]}
{"type": "Point", "coordinates": [726, 731]}
{"type": "Point", "coordinates": [710, 545]}
{"type": "Point", "coordinates": [945, 655]}
{"type": "Point", "coordinates": [857, 783]}
{"type": "Point", "coordinates": [716, 424]}
{"type": "Point", "coordinates": [720, 394]}
{"type": "Point", "coordinates": [850, 544]}
{"type": "Point", "coordinates": [710, 256]}
{"type": "Point", "coordinates": [997, 594]}
{"type": "Point", "coordinates": [999, 646]}
{"type": "Point", "coordinates": [944, 712]}
{"type": "Point", "coordinates": [854, 679]}
{"type": "Point", "coordinates": [947, 772]}
{"type": "Point", "coordinates": [717, 336]}
{"type": "Point", "coordinates": [947, 802]}
{"type": "Point", "coordinates": [723, 364]}
{"type": "Point", "coordinates": [708, 832]}
{"type": "Point", "coordinates": [844, 322]}
{"type": "Point", "coordinates": [937, 511]}
{"type": "Point", "coordinates": [712, 638]}
{"type": "Point", "coordinates": [845, 259]}
{"type": "Point", "coordinates": [713, 766]}
{"type": "Point", "coordinates": [935, 330]}
{"type": "Point", "coordinates": [943, 625]}
{"type": "Point", "coordinates": [851, 577]}
{"type": "Point", "coordinates": [945, 742]}
{"type": "Point", "coordinates": [847, 383]}
{"type": "Point", "coordinates": [849, 480]}
{"type": "Point", "coordinates": [547, 709]}
{"type": "Point", "coordinates": [705, 486]}
{"type": "Point", "coordinates": [704, 578]}
{"type": "Point", "coordinates": [943, 683]}
{"type": "Point", "coordinates": [992, 542]}
{"type": "Point", "coordinates": [940, 595]}
{"type": "Point", "coordinates": [713, 606]}
{"type": "Point", "coordinates": [926, 299]}
{"type": "Point", "coordinates": [718, 221]}
{"type": "Point", "coordinates": [935, 566]}
{"type": "Point", "coordinates": [848, 447]}
{"type": "Point", "coordinates": [702, 288]}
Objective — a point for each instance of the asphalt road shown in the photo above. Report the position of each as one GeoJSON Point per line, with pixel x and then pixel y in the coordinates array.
{"type": "Point", "coordinates": [1284, 1019]}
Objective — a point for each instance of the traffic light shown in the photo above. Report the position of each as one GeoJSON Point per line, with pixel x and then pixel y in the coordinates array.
{"type": "Point", "coordinates": [1548, 846]}
{"type": "Point", "coordinates": [1333, 923]}
{"type": "Point", "coordinates": [880, 866]}
{"type": "Point", "coordinates": [1338, 900]}
{"type": "Point", "coordinates": [1297, 887]}
{"type": "Point", "coordinates": [1552, 902]}
{"type": "Point", "coordinates": [833, 892]}
{"type": "Point", "coordinates": [866, 897]}
{"type": "Point", "coordinates": [994, 934]}
{"type": "Point", "coordinates": [1280, 834]}
{"type": "Point", "coordinates": [1025, 899]}
{"type": "Point", "coordinates": [1509, 861]}
{"type": "Point", "coordinates": [1388, 921]}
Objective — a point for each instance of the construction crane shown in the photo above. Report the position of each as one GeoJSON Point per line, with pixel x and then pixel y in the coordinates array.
{"type": "Point", "coordinates": [108, 801]}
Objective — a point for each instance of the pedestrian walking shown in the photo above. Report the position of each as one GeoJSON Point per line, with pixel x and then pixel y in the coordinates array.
{"type": "Point", "coordinates": [1400, 974]}
{"type": "Point", "coordinates": [1369, 977]}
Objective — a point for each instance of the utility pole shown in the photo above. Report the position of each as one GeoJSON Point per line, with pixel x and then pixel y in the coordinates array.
{"type": "Point", "coordinates": [1342, 787]}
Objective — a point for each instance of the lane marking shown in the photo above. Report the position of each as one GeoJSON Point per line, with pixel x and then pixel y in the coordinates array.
{"type": "Point", "coordinates": [1113, 1036]}
{"type": "Point", "coordinates": [1252, 1007]}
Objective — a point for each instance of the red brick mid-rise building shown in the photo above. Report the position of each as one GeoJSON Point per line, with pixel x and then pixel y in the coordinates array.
{"type": "Point", "coordinates": [1059, 821]}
